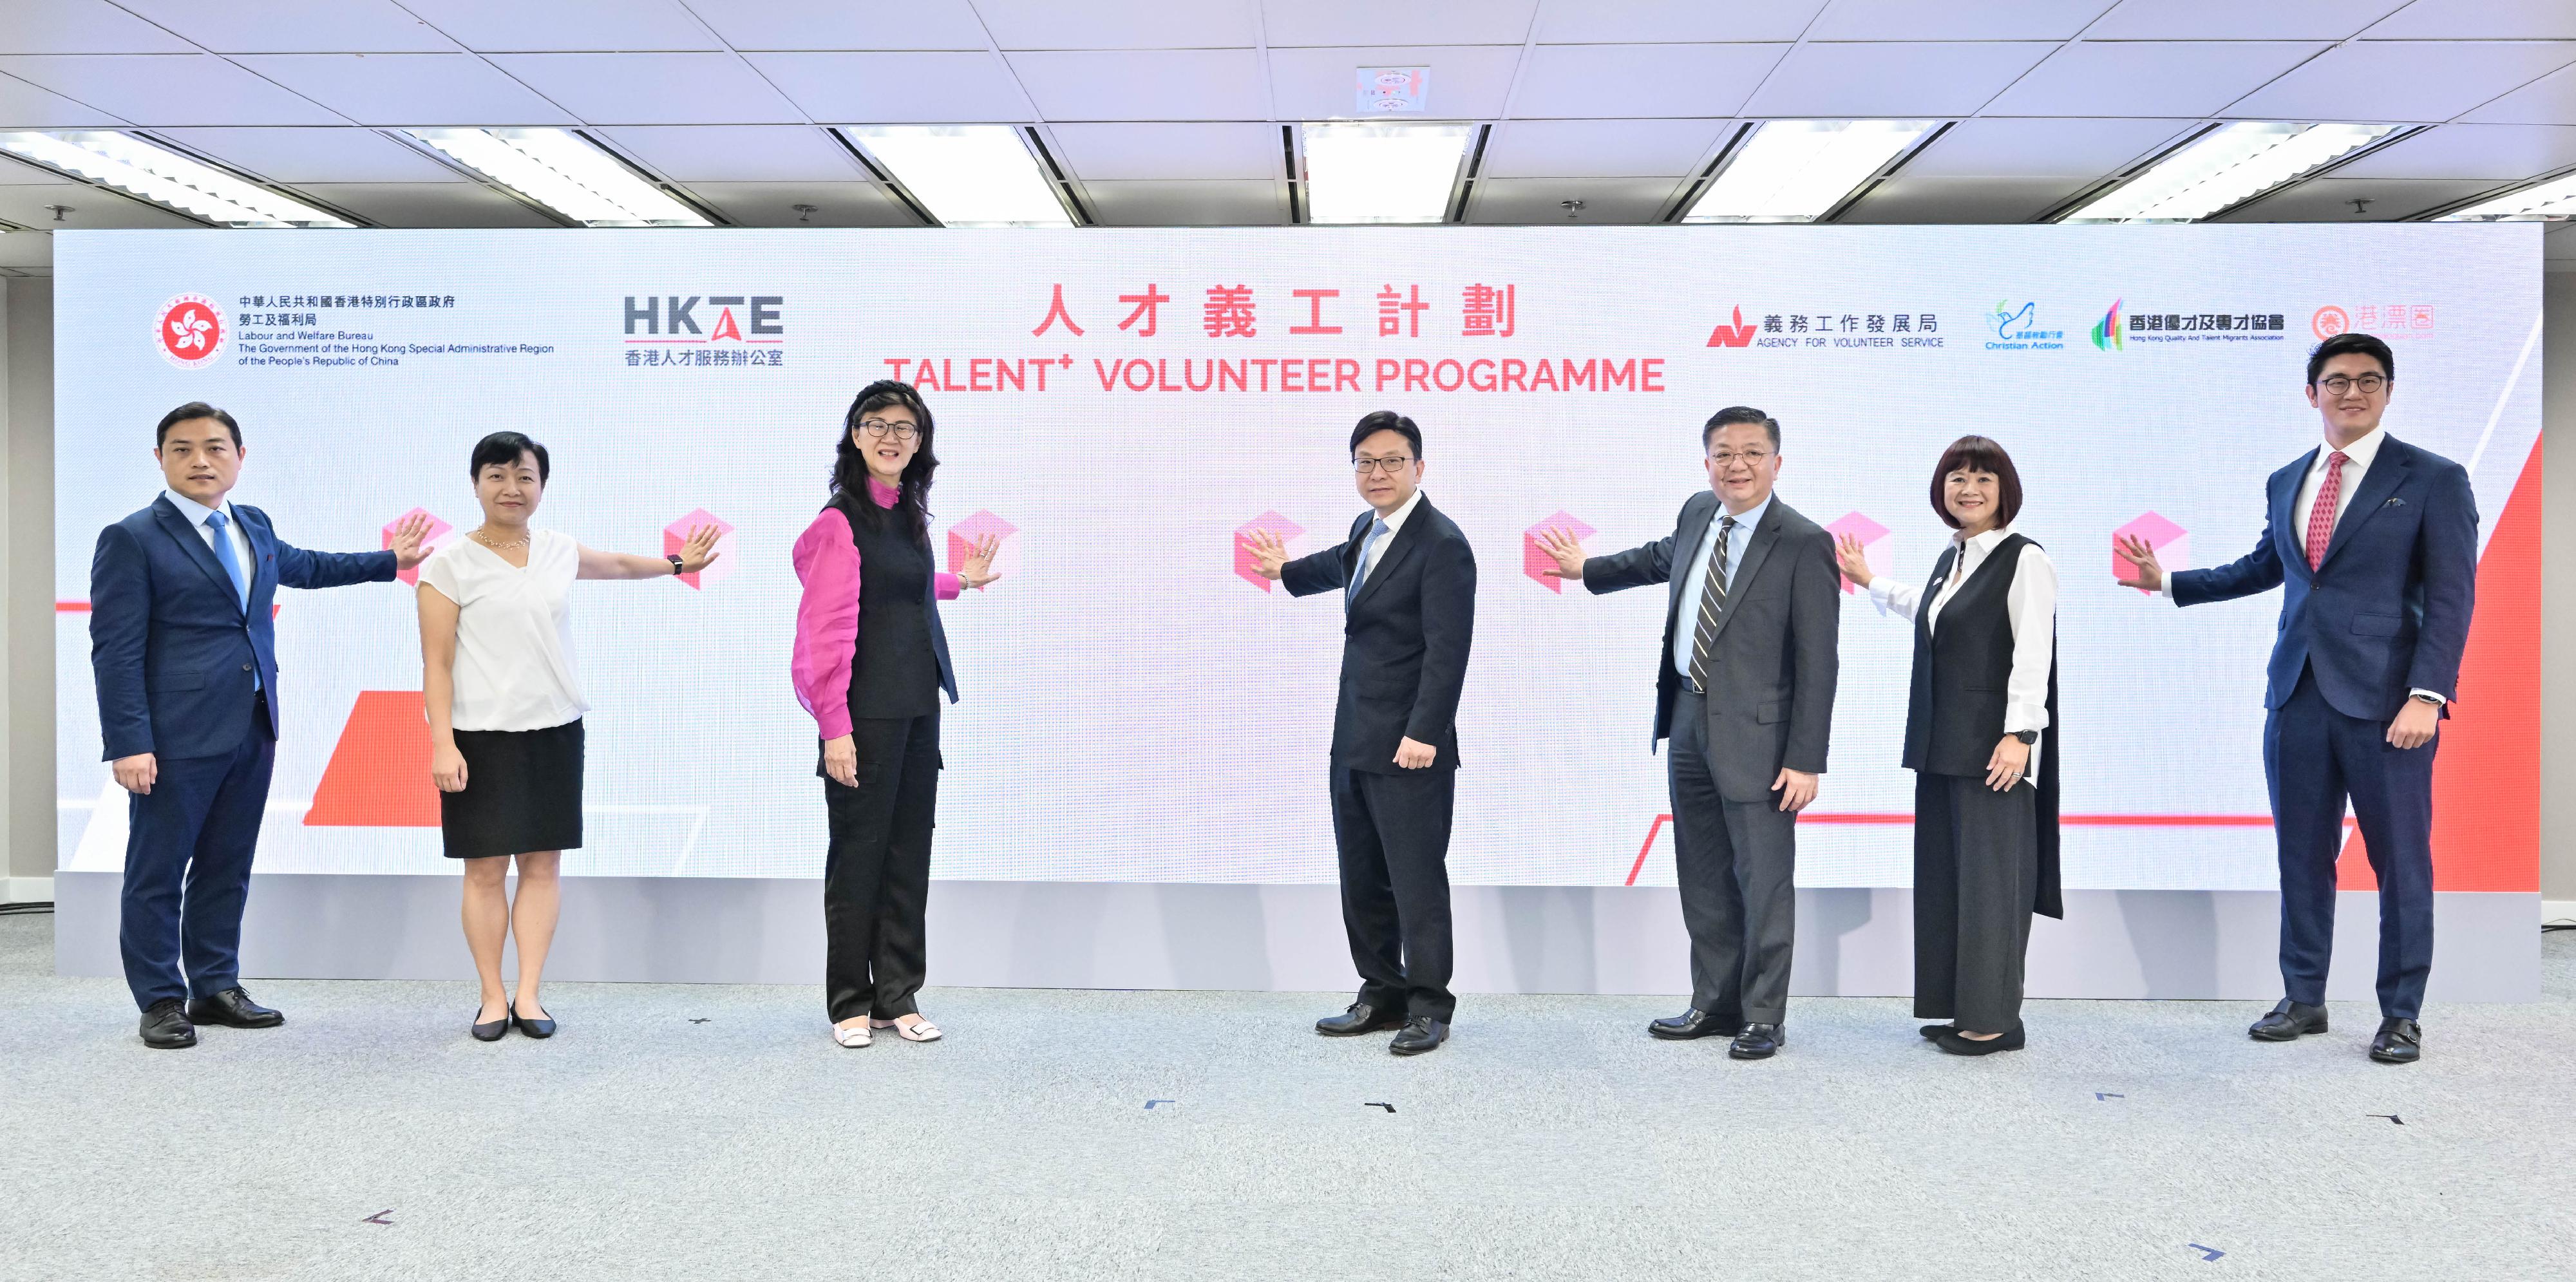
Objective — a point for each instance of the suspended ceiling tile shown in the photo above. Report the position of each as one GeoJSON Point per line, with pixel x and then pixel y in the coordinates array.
{"type": "Point", "coordinates": [1601, 148]}
{"type": "Point", "coordinates": [1541, 201]}
{"type": "Point", "coordinates": [571, 26]}
{"type": "Point", "coordinates": [26, 106]}
{"type": "Point", "coordinates": [2329, 200]}
{"type": "Point", "coordinates": [1908, 199]}
{"type": "Point", "coordinates": [2238, 20]}
{"type": "Point", "coordinates": [1899, 81]}
{"type": "Point", "coordinates": [2149, 77]}
{"type": "Point", "coordinates": [1130, 24]}
{"type": "Point", "coordinates": [1156, 84]}
{"type": "Point", "coordinates": [1168, 150]}
{"type": "Point", "coordinates": [1467, 82]}
{"type": "Point", "coordinates": [2041, 148]}
{"type": "Point", "coordinates": [297, 26]}
{"type": "Point", "coordinates": [315, 155]}
{"type": "Point", "coordinates": [2403, 80]}
{"type": "Point", "coordinates": [652, 88]}
{"type": "Point", "coordinates": [2550, 100]}
{"type": "Point", "coordinates": [843, 25]}
{"type": "Point", "coordinates": [410, 88]}
{"type": "Point", "coordinates": [1232, 203]}
{"type": "Point", "coordinates": [1955, 19]}
{"type": "Point", "coordinates": [81, 26]}
{"type": "Point", "coordinates": [27, 249]}
{"type": "Point", "coordinates": [836, 204]}
{"type": "Point", "coordinates": [897, 88]}
{"type": "Point", "coordinates": [428, 204]}
{"type": "Point", "coordinates": [2496, 153]}
{"type": "Point", "coordinates": [1302, 23]}
{"type": "Point", "coordinates": [2479, 20]}
{"type": "Point", "coordinates": [88, 207]}
{"type": "Point", "coordinates": [1672, 21]}
{"type": "Point", "coordinates": [737, 153]}
{"type": "Point", "coordinates": [1642, 80]}
{"type": "Point", "coordinates": [169, 89]}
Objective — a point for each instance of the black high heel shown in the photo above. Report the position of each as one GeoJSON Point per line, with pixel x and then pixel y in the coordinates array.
{"type": "Point", "coordinates": [492, 1032]}
{"type": "Point", "coordinates": [539, 1028]}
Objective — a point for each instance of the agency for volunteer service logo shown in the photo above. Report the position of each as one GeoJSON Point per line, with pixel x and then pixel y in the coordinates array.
{"type": "Point", "coordinates": [191, 331]}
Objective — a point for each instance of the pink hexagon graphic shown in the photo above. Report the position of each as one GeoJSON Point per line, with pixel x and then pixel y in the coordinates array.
{"type": "Point", "coordinates": [1244, 566]}
{"type": "Point", "coordinates": [2171, 542]}
{"type": "Point", "coordinates": [1535, 562]}
{"type": "Point", "coordinates": [438, 532]}
{"type": "Point", "coordinates": [1875, 546]}
{"type": "Point", "coordinates": [980, 525]}
{"type": "Point", "coordinates": [676, 536]}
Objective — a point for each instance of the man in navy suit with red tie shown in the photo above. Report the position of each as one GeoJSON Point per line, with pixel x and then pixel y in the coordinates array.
{"type": "Point", "coordinates": [186, 665]}
{"type": "Point", "coordinates": [2375, 543]}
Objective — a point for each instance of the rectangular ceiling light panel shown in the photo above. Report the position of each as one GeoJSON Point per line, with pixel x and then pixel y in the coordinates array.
{"type": "Point", "coordinates": [966, 175]}
{"type": "Point", "coordinates": [165, 178]}
{"type": "Point", "coordinates": [2549, 201]}
{"type": "Point", "coordinates": [1382, 173]}
{"type": "Point", "coordinates": [2227, 167]}
{"type": "Point", "coordinates": [565, 173]}
{"type": "Point", "coordinates": [1796, 171]}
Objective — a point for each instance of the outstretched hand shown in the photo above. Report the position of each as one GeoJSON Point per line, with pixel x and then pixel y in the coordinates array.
{"type": "Point", "coordinates": [699, 551]}
{"type": "Point", "coordinates": [1561, 544]}
{"type": "Point", "coordinates": [1269, 552]}
{"type": "Point", "coordinates": [406, 541]}
{"type": "Point", "coordinates": [1854, 559]}
{"type": "Point", "coordinates": [977, 569]}
{"type": "Point", "coordinates": [2150, 576]}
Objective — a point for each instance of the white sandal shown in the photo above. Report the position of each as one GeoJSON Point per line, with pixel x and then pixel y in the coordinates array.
{"type": "Point", "coordinates": [854, 1037]}
{"type": "Point", "coordinates": [920, 1030]}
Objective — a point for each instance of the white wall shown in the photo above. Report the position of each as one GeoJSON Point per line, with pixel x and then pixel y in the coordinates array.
{"type": "Point", "coordinates": [27, 585]}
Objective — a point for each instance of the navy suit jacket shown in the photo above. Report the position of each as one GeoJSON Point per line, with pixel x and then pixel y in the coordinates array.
{"type": "Point", "coordinates": [172, 649]}
{"type": "Point", "coordinates": [2387, 611]}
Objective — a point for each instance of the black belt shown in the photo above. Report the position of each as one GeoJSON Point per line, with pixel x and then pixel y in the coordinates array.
{"type": "Point", "coordinates": [1692, 687]}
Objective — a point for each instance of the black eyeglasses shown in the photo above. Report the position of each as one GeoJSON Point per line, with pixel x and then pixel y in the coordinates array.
{"type": "Point", "coordinates": [883, 428]}
{"type": "Point", "coordinates": [2338, 384]}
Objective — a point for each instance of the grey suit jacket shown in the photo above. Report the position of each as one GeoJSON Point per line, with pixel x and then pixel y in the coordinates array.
{"type": "Point", "coordinates": [1773, 664]}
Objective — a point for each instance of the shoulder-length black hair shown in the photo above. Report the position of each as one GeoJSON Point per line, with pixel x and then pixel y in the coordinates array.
{"type": "Point", "coordinates": [850, 470]}
{"type": "Point", "coordinates": [1977, 454]}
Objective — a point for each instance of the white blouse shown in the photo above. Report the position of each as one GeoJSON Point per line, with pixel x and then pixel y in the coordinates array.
{"type": "Point", "coordinates": [514, 660]}
{"type": "Point", "coordinates": [2030, 606]}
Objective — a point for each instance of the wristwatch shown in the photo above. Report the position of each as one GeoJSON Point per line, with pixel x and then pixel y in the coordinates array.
{"type": "Point", "coordinates": [2026, 736]}
{"type": "Point", "coordinates": [678, 566]}
{"type": "Point", "coordinates": [2425, 698]}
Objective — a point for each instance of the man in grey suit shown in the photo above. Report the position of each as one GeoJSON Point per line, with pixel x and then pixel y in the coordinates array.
{"type": "Point", "coordinates": [1745, 689]}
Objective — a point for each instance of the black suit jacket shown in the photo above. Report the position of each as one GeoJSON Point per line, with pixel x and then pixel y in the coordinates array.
{"type": "Point", "coordinates": [1404, 639]}
{"type": "Point", "coordinates": [1773, 666]}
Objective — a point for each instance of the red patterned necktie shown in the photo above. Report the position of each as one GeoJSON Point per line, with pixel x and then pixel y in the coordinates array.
{"type": "Point", "coordinates": [2321, 514]}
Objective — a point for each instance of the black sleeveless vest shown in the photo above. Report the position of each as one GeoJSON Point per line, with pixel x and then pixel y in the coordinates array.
{"type": "Point", "coordinates": [896, 670]}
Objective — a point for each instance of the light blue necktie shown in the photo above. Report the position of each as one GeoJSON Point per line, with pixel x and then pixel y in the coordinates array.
{"type": "Point", "coordinates": [216, 521]}
{"type": "Point", "coordinates": [1360, 571]}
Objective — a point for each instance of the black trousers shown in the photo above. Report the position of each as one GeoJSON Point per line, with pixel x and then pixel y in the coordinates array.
{"type": "Point", "coordinates": [1737, 865]}
{"type": "Point", "coordinates": [1393, 834]}
{"type": "Point", "coordinates": [876, 880]}
{"type": "Point", "coordinates": [1976, 878]}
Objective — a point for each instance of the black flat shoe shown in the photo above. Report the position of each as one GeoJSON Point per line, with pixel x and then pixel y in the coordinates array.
{"type": "Point", "coordinates": [2288, 1022]}
{"type": "Point", "coordinates": [1932, 1032]}
{"type": "Point", "coordinates": [538, 1028]}
{"type": "Point", "coordinates": [1758, 1041]}
{"type": "Point", "coordinates": [1360, 1018]}
{"type": "Point", "coordinates": [493, 1031]}
{"type": "Point", "coordinates": [1958, 1045]}
{"type": "Point", "coordinates": [2399, 1041]}
{"type": "Point", "coordinates": [166, 1026]}
{"type": "Point", "coordinates": [1421, 1033]}
{"type": "Point", "coordinates": [233, 1008]}
{"type": "Point", "coordinates": [1695, 1023]}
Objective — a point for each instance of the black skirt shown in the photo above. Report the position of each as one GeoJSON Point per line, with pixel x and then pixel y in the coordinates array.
{"type": "Point", "coordinates": [522, 793]}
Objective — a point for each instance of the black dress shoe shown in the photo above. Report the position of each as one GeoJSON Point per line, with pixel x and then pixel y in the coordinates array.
{"type": "Point", "coordinates": [1360, 1018]}
{"type": "Point", "coordinates": [1758, 1041]}
{"type": "Point", "coordinates": [1421, 1033]}
{"type": "Point", "coordinates": [166, 1026]}
{"type": "Point", "coordinates": [1957, 1045]}
{"type": "Point", "coordinates": [537, 1028]}
{"type": "Point", "coordinates": [233, 1008]}
{"type": "Point", "coordinates": [492, 1031]}
{"type": "Point", "coordinates": [1932, 1032]}
{"type": "Point", "coordinates": [2399, 1041]}
{"type": "Point", "coordinates": [2288, 1022]}
{"type": "Point", "coordinates": [1696, 1023]}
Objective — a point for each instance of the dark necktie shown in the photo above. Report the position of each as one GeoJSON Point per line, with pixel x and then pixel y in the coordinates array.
{"type": "Point", "coordinates": [1712, 600]}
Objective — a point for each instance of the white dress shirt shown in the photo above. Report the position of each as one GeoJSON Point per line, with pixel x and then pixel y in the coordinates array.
{"type": "Point", "coordinates": [1394, 524]}
{"type": "Point", "coordinates": [2357, 458]}
{"type": "Point", "coordinates": [514, 658]}
{"type": "Point", "coordinates": [197, 512]}
{"type": "Point", "coordinates": [2030, 606]}
{"type": "Point", "coordinates": [1695, 580]}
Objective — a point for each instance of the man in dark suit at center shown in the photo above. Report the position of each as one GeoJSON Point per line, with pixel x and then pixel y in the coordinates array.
{"type": "Point", "coordinates": [1745, 688]}
{"type": "Point", "coordinates": [1407, 580]}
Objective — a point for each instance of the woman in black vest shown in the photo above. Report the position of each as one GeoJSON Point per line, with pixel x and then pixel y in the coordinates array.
{"type": "Point", "coordinates": [1981, 737]}
{"type": "Point", "coordinates": [870, 665]}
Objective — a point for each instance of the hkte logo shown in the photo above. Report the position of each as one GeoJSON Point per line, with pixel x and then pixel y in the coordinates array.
{"type": "Point", "coordinates": [671, 318]}
{"type": "Point", "coordinates": [1738, 334]}
{"type": "Point", "coordinates": [191, 331]}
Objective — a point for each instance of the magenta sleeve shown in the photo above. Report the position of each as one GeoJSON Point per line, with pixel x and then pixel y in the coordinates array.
{"type": "Point", "coordinates": [827, 621]}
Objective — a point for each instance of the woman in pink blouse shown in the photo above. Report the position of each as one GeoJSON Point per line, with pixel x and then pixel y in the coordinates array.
{"type": "Point", "coordinates": [870, 665]}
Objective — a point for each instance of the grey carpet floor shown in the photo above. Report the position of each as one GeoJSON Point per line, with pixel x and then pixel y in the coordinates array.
{"type": "Point", "coordinates": [715, 1132]}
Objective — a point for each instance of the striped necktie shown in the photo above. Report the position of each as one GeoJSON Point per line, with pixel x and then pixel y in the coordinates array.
{"type": "Point", "coordinates": [1712, 600]}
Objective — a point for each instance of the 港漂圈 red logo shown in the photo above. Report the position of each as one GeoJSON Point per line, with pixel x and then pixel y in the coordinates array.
{"type": "Point", "coordinates": [2330, 321]}
{"type": "Point", "coordinates": [191, 330]}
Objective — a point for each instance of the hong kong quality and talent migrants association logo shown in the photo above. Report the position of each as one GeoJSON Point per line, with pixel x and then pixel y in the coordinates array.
{"type": "Point", "coordinates": [191, 331]}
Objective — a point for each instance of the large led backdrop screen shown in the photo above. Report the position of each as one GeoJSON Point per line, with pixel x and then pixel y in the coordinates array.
{"type": "Point", "coordinates": [1118, 406]}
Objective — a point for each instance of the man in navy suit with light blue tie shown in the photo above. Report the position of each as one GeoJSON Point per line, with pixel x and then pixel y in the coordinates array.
{"type": "Point", "coordinates": [2375, 543]}
{"type": "Point", "coordinates": [186, 666]}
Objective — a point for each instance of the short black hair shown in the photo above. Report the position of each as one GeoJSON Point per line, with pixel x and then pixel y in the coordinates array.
{"type": "Point", "coordinates": [2352, 343]}
{"type": "Point", "coordinates": [195, 410]}
{"type": "Point", "coordinates": [1977, 454]}
{"type": "Point", "coordinates": [1387, 421]}
{"type": "Point", "coordinates": [501, 449]}
{"type": "Point", "coordinates": [1734, 414]}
